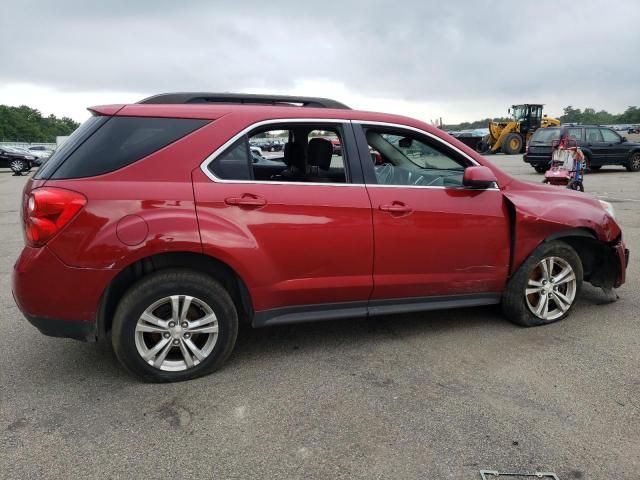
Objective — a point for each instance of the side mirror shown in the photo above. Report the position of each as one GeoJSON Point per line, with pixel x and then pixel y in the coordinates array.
{"type": "Point", "coordinates": [478, 177]}
{"type": "Point", "coordinates": [624, 139]}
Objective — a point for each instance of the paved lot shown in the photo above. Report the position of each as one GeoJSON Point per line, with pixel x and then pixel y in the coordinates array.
{"type": "Point", "coordinates": [429, 396]}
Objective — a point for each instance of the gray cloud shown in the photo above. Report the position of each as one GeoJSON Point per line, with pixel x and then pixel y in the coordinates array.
{"type": "Point", "coordinates": [559, 52]}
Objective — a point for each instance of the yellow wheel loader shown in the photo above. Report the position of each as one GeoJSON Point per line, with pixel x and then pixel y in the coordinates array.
{"type": "Point", "coordinates": [512, 136]}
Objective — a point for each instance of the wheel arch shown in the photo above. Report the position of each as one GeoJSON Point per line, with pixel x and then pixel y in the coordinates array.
{"type": "Point", "coordinates": [211, 266]}
{"type": "Point", "coordinates": [598, 262]}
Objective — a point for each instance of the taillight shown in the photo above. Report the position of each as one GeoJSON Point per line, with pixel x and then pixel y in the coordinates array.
{"type": "Point", "coordinates": [47, 210]}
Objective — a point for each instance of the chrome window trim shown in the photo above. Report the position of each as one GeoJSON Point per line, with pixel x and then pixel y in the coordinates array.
{"type": "Point", "coordinates": [430, 135]}
{"type": "Point", "coordinates": [205, 163]}
{"type": "Point", "coordinates": [438, 140]}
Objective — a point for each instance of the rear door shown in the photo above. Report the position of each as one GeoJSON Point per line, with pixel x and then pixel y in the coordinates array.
{"type": "Point", "coordinates": [296, 238]}
{"type": "Point", "coordinates": [596, 144]}
{"type": "Point", "coordinates": [433, 237]}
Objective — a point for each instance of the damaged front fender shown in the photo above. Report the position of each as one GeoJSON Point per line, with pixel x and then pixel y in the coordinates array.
{"type": "Point", "coordinates": [542, 213]}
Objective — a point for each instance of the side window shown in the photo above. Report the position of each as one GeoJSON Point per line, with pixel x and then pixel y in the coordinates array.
{"type": "Point", "coordinates": [574, 133]}
{"type": "Point", "coordinates": [610, 136]}
{"type": "Point", "coordinates": [233, 163]}
{"type": "Point", "coordinates": [403, 158]}
{"type": "Point", "coordinates": [593, 135]}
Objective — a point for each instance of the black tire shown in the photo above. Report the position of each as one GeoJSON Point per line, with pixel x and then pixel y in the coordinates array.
{"type": "Point", "coordinates": [575, 185]}
{"type": "Point", "coordinates": [595, 168]}
{"type": "Point", "coordinates": [18, 166]}
{"type": "Point", "coordinates": [483, 146]}
{"type": "Point", "coordinates": [512, 144]}
{"type": "Point", "coordinates": [157, 286]}
{"type": "Point", "coordinates": [514, 300]}
{"type": "Point", "coordinates": [541, 168]}
{"type": "Point", "coordinates": [634, 162]}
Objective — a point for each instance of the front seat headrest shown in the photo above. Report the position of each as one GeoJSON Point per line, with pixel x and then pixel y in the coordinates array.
{"type": "Point", "coordinates": [319, 153]}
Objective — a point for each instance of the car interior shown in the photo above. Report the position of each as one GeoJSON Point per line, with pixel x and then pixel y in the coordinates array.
{"type": "Point", "coordinates": [403, 160]}
{"type": "Point", "coordinates": [307, 156]}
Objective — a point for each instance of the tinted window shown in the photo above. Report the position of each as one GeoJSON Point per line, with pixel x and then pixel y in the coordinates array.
{"type": "Point", "coordinates": [79, 135]}
{"type": "Point", "coordinates": [122, 141]}
{"type": "Point", "coordinates": [233, 163]}
{"type": "Point", "coordinates": [546, 135]}
{"type": "Point", "coordinates": [593, 135]}
{"type": "Point", "coordinates": [610, 136]}
{"type": "Point", "coordinates": [574, 133]}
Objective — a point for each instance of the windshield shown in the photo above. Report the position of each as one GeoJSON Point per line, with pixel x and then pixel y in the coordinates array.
{"type": "Point", "coordinates": [546, 135]}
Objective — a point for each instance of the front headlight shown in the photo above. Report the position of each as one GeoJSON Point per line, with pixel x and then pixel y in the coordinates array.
{"type": "Point", "coordinates": [608, 208]}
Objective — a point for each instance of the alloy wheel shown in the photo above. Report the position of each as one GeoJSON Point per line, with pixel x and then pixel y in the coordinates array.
{"type": "Point", "coordinates": [176, 333]}
{"type": "Point", "coordinates": [551, 288]}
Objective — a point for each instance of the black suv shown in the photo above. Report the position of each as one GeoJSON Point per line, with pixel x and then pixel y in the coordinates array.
{"type": "Point", "coordinates": [601, 146]}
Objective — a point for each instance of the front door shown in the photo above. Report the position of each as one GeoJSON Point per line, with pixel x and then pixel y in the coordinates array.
{"type": "Point", "coordinates": [433, 237]}
{"type": "Point", "coordinates": [597, 146]}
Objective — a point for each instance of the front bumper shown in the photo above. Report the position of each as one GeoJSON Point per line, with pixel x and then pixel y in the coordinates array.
{"type": "Point", "coordinates": [622, 254]}
{"type": "Point", "coordinates": [536, 160]}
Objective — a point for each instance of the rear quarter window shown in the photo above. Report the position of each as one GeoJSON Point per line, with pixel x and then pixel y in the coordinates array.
{"type": "Point", "coordinates": [121, 141]}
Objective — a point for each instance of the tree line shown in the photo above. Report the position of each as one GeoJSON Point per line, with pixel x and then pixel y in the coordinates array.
{"type": "Point", "coordinates": [26, 124]}
{"type": "Point", "coordinates": [570, 115]}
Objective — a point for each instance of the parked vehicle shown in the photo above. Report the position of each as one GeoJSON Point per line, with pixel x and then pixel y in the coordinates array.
{"type": "Point", "coordinates": [18, 160]}
{"type": "Point", "coordinates": [511, 137]}
{"type": "Point", "coordinates": [40, 151]}
{"type": "Point", "coordinates": [167, 257]}
{"type": "Point", "coordinates": [600, 145]}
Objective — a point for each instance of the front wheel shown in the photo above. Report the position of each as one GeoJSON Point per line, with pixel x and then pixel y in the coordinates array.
{"type": "Point", "coordinates": [174, 325]}
{"type": "Point", "coordinates": [512, 144]}
{"type": "Point", "coordinates": [541, 168]}
{"type": "Point", "coordinates": [545, 287]}
{"type": "Point", "coordinates": [18, 166]}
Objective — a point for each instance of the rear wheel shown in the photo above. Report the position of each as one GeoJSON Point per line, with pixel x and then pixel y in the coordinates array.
{"type": "Point", "coordinates": [541, 168]}
{"type": "Point", "coordinates": [595, 168]}
{"type": "Point", "coordinates": [545, 287]}
{"type": "Point", "coordinates": [512, 144]}
{"type": "Point", "coordinates": [634, 163]}
{"type": "Point", "coordinates": [174, 325]}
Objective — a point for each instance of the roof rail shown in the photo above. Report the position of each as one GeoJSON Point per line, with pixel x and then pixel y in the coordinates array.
{"type": "Point", "coordinates": [242, 98]}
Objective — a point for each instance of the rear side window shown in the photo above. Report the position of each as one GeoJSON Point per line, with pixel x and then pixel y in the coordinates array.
{"type": "Point", "coordinates": [121, 141]}
{"type": "Point", "coordinates": [79, 135]}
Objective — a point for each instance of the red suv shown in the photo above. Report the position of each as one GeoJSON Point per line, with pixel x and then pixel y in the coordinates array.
{"type": "Point", "coordinates": [154, 224]}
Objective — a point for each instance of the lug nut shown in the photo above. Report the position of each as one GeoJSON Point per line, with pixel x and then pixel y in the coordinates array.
{"type": "Point", "coordinates": [176, 342]}
{"type": "Point", "coordinates": [166, 335]}
{"type": "Point", "coordinates": [187, 335]}
{"type": "Point", "coordinates": [544, 282]}
{"type": "Point", "coordinates": [185, 324]}
{"type": "Point", "coordinates": [172, 324]}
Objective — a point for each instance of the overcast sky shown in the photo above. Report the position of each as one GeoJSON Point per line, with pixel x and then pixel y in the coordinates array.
{"type": "Point", "coordinates": [460, 60]}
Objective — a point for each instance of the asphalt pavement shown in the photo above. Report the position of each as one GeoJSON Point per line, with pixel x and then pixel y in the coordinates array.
{"type": "Point", "coordinates": [426, 396]}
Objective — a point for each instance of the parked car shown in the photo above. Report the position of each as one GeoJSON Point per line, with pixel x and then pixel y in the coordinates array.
{"type": "Point", "coordinates": [601, 146]}
{"type": "Point", "coordinates": [40, 151]}
{"type": "Point", "coordinates": [166, 258]}
{"type": "Point", "coordinates": [18, 160]}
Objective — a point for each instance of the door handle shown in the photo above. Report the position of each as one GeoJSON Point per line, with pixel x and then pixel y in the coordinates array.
{"type": "Point", "coordinates": [246, 200]}
{"type": "Point", "coordinates": [396, 207]}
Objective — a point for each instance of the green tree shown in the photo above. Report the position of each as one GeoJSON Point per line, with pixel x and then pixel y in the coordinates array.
{"type": "Point", "coordinates": [26, 124]}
